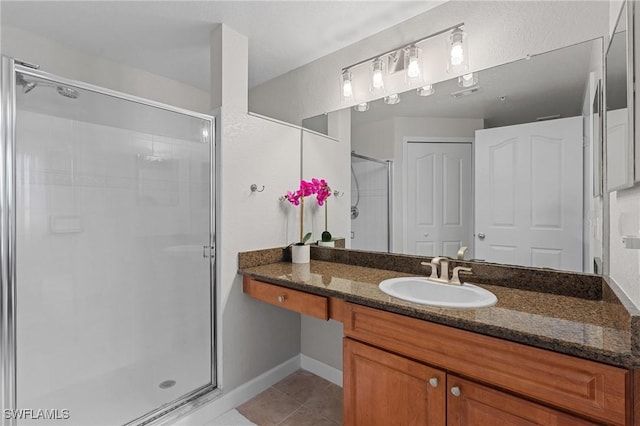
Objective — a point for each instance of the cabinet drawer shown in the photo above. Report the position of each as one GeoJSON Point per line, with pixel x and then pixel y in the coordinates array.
{"type": "Point", "coordinates": [294, 300]}
{"type": "Point", "coordinates": [586, 387]}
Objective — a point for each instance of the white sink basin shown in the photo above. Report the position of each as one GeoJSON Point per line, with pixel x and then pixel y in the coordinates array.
{"type": "Point", "coordinates": [427, 292]}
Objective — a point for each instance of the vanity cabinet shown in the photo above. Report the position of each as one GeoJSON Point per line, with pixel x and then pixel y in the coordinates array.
{"type": "Point", "coordinates": [381, 388]}
{"type": "Point", "coordinates": [407, 371]}
{"type": "Point", "coordinates": [511, 381]}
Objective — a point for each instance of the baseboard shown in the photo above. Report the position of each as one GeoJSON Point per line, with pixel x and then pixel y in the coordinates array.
{"type": "Point", "coordinates": [321, 369]}
{"type": "Point", "coordinates": [229, 400]}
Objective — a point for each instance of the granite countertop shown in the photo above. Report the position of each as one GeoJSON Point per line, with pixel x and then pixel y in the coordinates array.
{"type": "Point", "coordinates": [595, 328]}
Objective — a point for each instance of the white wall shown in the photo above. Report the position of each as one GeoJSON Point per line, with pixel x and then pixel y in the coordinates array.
{"type": "Point", "coordinates": [499, 32]}
{"type": "Point", "coordinates": [255, 336]}
{"type": "Point", "coordinates": [74, 64]}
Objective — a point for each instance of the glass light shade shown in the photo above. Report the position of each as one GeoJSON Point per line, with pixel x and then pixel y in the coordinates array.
{"type": "Point", "coordinates": [427, 90]}
{"type": "Point", "coordinates": [468, 80]}
{"type": "Point", "coordinates": [347, 86]}
{"type": "Point", "coordinates": [392, 99]}
{"type": "Point", "coordinates": [412, 63]}
{"type": "Point", "coordinates": [458, 52]}
{"type": "Point", "coordinates": [362, 107]}
{"type": "Point", "coordinates": [377, 71]}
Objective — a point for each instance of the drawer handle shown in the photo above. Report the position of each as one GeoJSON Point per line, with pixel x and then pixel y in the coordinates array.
{"type": "Point", "coordinates": [282, 298]}
{"type": "Point", "coordinates": [433, 382]}
{"type": "Point", "coordinates": [455, 391]}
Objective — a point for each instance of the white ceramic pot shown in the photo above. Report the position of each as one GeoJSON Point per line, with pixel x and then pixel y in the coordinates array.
{"type": "Point", "coordinates": [327, 243]}
{"type": "Point", "coordinates": [300, 254]}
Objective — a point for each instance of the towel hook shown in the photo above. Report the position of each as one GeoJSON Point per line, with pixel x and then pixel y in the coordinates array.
{"type": "Point", "coordinates": [254, 188]}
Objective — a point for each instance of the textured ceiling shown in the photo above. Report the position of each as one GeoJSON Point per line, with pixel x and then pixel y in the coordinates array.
{"type": "Point", "coordinates": [171, 38]}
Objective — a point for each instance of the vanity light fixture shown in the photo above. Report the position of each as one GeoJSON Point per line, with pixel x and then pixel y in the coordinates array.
{"type": "Point", "coordinates": [468, 80]}
{"type": "Point", "coordinates": [405, 58]}
{"type": "Point", "coordinates": [427, 90]}
{"type": "Point", "coordinates": [392, 99]}
{"type": "Point", "coordinates": [377, 76]}
{"type": "Point", "coordinates": [347, 86]}
{"type": "Point", "coordinates": [363, 107]}
{"type": "Point", "coordinates": [458, 52]}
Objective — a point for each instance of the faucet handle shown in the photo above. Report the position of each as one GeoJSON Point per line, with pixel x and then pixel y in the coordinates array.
{"type": "Point", "coordinates": [456, 274]}
{"type": "Point", "coordinates": [434, 269]}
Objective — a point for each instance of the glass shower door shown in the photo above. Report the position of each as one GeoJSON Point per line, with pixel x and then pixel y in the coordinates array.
{"type": "Point", "coordinates": [370, 203]}
{"type": "Point", "coordinates": [114, 314]}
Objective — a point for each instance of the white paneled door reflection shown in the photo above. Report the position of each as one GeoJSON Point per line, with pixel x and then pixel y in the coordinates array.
{"type": "Point", "coordinates": [114, 294]}
{"type": "Point", "coordinates": [438, 215]}
{"type": "Point", "coordinates": [529, 194]}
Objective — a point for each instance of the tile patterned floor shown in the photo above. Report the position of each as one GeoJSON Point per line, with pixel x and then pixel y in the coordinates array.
{"type": "Point", "coordinates": [301, 399]}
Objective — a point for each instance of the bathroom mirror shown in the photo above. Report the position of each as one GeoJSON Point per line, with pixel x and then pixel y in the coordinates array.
{"type": "Point", "coordinates": [436, 138]}
{"type": "Point", "coordinates": [619, 102]}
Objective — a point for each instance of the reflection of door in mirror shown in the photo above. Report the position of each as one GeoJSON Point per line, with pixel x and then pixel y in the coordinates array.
{"type": "Point", "coordinates": [529, 194]}
{"type": "Point", "coordinates": [438, 196]}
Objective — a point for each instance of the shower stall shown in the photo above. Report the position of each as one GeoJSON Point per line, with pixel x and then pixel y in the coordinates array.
{"type": "Point", "coordinates": [371, 203]}
{"type": "Point", "coordinates": [107, 298]}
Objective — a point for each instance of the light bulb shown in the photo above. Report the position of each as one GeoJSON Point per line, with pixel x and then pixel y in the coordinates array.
{"type": "Point", "coordinates": [377, 79]}
{"type": "Point", "coordinates": [347, 90]}
{"type": "Point", "coordinates": [412, 62]}
{"type": "Point", "coordinates": [414, 68]}
{"type": "Point", "coordinates": [377, 75]}
{"type": "Point", "coordinates": [347, 87]}
{"type": "Point", "coordinates": [457, 53]}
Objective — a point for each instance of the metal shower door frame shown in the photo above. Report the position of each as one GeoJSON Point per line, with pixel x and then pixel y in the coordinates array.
{"type": "Point", "coordinates": [9, 69]}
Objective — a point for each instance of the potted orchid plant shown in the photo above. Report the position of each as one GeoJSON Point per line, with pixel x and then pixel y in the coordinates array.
{"type": "Point", "coordinates": [322, 191]}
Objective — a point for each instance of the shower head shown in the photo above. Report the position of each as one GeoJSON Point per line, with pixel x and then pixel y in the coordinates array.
{"type": "Point", "coordinates": [27, 86]}
{"type": "Point", "coordinates": [67, 92]}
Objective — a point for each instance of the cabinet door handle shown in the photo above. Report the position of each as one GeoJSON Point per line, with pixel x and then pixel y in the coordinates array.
{"type": "Point", "coordinates": [455, 391]}
{"type": "Point", "coordinates": [481, 236]}
{"type": "Point", "coordinates": [282, 298]}
{"type": "Point", "coordinates": [433, 382]}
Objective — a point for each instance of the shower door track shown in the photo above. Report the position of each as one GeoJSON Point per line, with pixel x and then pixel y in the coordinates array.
{"type": "Point", "coordinates": [9, 67]}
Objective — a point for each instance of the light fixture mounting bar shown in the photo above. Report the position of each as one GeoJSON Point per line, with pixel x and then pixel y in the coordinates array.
{"type": "Point", "coordinates": [451, 28]}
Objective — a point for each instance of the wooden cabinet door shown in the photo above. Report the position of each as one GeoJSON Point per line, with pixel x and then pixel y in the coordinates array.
{"type": "Point", "coordinates": [471, 404]}
{"type": "Point", "coordinates": [384, 389]}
